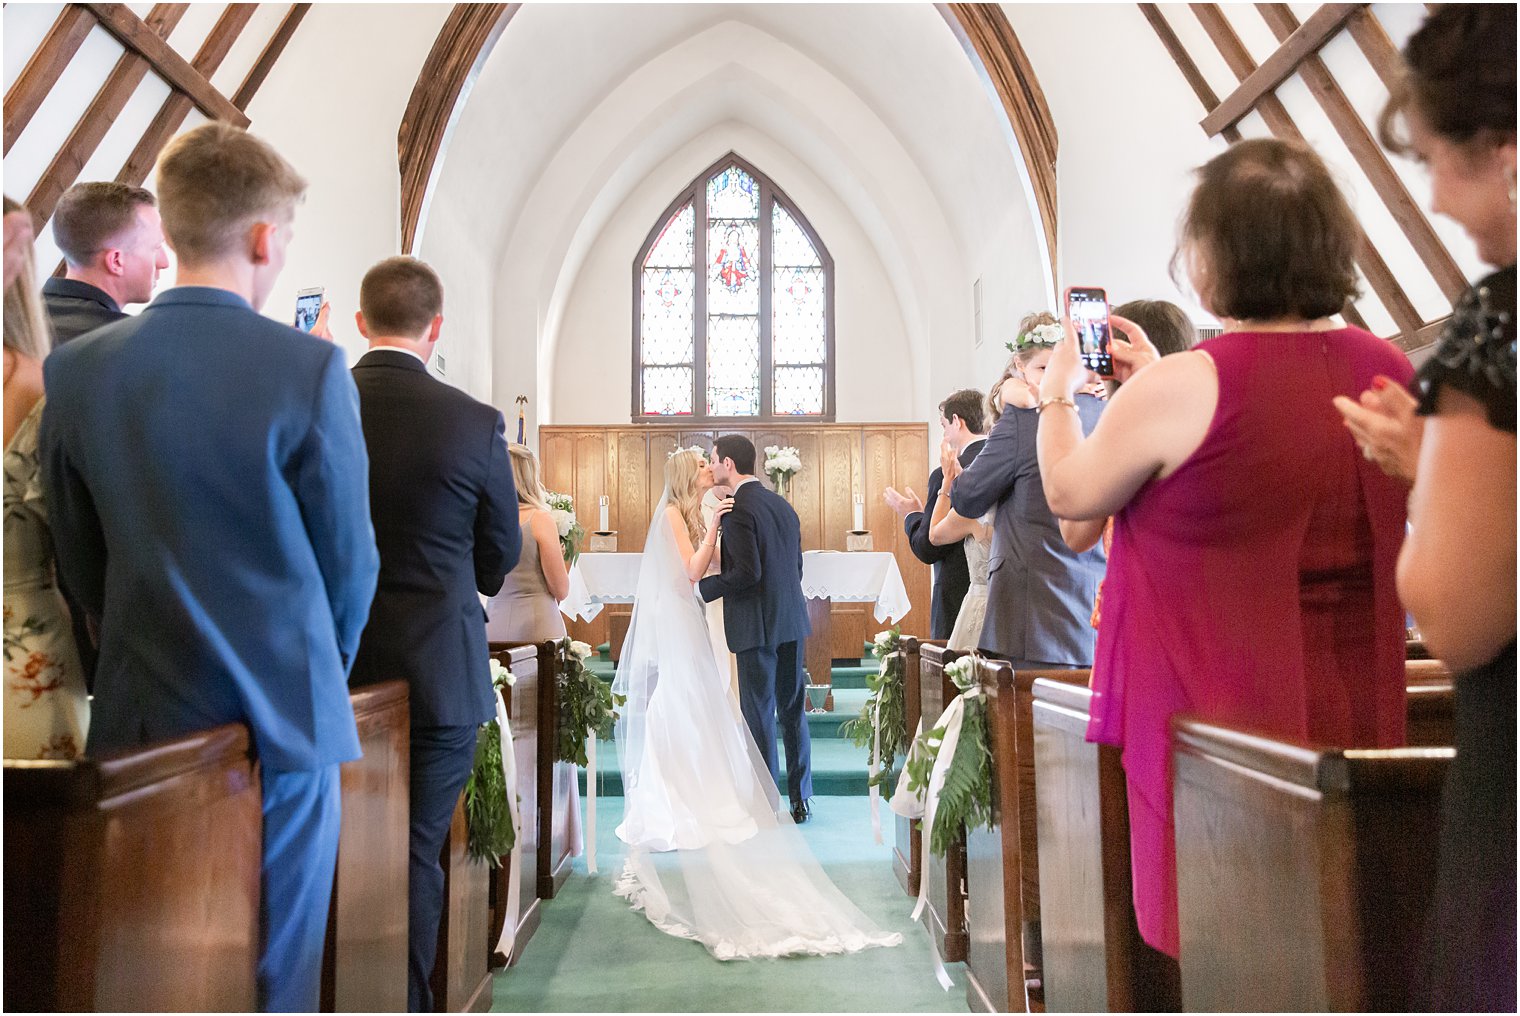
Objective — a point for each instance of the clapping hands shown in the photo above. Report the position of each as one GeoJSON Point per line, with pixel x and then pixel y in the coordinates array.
{"type": "Point", "coordinates": [1385, 426]}
{"type": "Point", "coordinates": [902, 504]}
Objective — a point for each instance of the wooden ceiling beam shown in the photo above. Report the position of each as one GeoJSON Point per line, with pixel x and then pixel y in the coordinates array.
{"type": "Point", "coordinates": [1184, 61]}
{"type": "Point", "coordinates": [87, 134]}
{"type": "Point", "coordinates": [175, 108]}
{"type": "Point", "coordinates": [990, 41]}
{"type": "Point", "coordinates": [1369, 156]}
{"type": "Point", "coordinates": [44, 68]}
{"type": "Point", "coordinates": [1377, 47]}
{"type": "Point", "coordinates": [271, 52]}
{"type": "Point", "coordinates": [133, 33]}
{"type": "Point", "coordinates": [1300, 45]}
{"type": "Point", "coordinates": [1379, 276]}
{"type": "Point", "coordinates": [460, 51]}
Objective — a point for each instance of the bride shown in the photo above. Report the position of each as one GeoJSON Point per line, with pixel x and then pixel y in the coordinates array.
{"type": "Point", "coordinates": [709, 855]}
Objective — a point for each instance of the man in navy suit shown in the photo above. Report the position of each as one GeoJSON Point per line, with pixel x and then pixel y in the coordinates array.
{"type": "Point", "coordinates": [208, 488]}
{"type": "Point", "coordinates": [765, 614]}
{"type": "Point", "coordinates": [445, 514]}
{"type": "Point", "coordinates": [961, 417]}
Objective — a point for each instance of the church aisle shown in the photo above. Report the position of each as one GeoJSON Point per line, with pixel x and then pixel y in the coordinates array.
{"type": "Point", "coordinates": [593, 954]}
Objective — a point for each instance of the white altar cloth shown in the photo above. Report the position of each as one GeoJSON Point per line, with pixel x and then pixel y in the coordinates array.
{"type": "Point", "coordinates": [849, 577]}
{"type": "Point", "coordinates": [857, 577]}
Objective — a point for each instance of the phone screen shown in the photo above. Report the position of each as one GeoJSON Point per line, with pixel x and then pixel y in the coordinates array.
{"type": "Point", "coordinates": [308, 306]}
{"type": "Point", "coordinates": [1088, 309]}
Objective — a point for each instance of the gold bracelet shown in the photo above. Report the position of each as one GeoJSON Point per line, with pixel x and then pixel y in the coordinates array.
{"type": "Point", "coordinates": [1058, 401]}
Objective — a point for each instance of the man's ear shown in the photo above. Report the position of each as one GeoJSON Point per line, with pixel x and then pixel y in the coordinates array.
{"type": "Point", "coordinates": [435, 328]}
{"type": "Point", "coordinates": [112, 260]}
{"type": "Point", "coordinates": [359, 321]}
{"type": "Point", "coordinates": [261, 242]}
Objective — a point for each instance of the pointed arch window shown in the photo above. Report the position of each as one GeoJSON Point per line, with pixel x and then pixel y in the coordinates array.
{"type": "Point", "coordinates": [733, 306]}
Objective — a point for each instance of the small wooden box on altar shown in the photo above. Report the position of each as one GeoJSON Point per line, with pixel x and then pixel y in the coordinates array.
{"type": "Point", "coordinates": [858, 539]}
{"type": "Point", "coordinates": [602, 543]}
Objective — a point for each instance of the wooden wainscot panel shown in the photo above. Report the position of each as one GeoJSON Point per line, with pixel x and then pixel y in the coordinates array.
{"type": "Point", "coordinates": [946, 912]}
{"type": "Point", "coordinates": [1093, 956]}
{"type": "Point", "coordinates": [1303, 874]}
{"type": "Point", "coordinates": [364, 964]}
{"type": "Point", "coordinates": [461, 977]}
{"type": "Point", "coordinates": [556, 459]}
{"type": "Point", "coordinates": [132, 881]}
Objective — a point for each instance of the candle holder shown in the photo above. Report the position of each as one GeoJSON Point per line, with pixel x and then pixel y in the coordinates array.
{"type": "Point", "coordinates": [858, 539]}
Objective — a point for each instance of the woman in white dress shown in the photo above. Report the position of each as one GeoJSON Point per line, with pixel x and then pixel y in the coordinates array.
{"type": "Point", "coordinates": [945, 527]}
{"type": "Point", "coordinates": [709, 855]}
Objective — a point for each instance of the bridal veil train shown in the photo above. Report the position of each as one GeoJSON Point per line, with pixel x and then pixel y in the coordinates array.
{"type": "Point", "coordinates": [708, 857]}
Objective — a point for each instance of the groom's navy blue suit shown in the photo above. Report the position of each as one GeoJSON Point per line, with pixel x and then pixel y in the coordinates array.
{"type": "Point", "coordinates": [765, 617]}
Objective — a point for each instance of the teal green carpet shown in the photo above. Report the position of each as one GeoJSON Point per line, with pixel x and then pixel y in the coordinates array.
{"type": "Point", "coordinates": [593, 954]}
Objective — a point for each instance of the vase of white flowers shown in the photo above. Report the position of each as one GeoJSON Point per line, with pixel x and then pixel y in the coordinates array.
{"type": "Point", "coordinates": [571, 532]}
{"type": "Point", "coordinates": [781, 464]}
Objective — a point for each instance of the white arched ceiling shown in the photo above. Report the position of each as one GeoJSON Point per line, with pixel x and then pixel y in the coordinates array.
{"type": "Point", "coordinates": [875, 111]}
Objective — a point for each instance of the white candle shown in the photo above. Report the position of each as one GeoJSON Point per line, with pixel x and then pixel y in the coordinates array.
{"type": "Point", "coordinates": [860, 513]}
{"type": "Point", "coordinates": [602, 518]}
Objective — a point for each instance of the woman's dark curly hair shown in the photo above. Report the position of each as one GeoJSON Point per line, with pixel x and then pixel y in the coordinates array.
{"type": "Point", "coordinates": [1459, 77]}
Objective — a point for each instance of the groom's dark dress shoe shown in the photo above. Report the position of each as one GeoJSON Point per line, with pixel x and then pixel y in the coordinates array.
{"type": "Point", "coordinates": [801, 812]}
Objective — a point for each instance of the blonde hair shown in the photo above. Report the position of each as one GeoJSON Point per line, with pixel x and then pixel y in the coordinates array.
{"type": "Point", "coordinates": [26, 325]}
{"type": "Point", "coordinates": [681, 471]}
{"type": "Point", "coordinates": [525, 476]}
{"type": "Point", "coordinates": [216, 181]}
{"type": "Point", "coordinates": [1018, 361]}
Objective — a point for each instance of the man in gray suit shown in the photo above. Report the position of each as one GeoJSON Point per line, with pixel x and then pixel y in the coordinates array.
{"type": "Point", "coordinates": [1040, 592]}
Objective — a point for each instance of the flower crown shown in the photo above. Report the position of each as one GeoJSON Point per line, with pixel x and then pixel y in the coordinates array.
{"type": "Point", "coordinates": [1039, 335]}
{"type": "Point", "coordinates": [693, 448]}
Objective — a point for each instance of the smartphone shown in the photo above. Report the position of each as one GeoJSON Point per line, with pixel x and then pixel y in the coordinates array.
{"type": "Point", "coordinates": [308, 306]}
{"type": "Point", "coordinates": [1087, 307]}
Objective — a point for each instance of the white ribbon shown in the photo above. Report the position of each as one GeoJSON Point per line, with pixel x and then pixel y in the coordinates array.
{"type": "Point", "coordinates": [590, 802]}
{"type": "Point", "coordinates": [514, 809]}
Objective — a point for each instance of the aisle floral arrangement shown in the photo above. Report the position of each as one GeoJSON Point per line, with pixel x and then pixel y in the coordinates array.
{"type": "Point", "coordinates": [486, 808]}
{"type": "Point", "coordinates": [781, 464]}
{"type": "Point", "coordinates": [881, 727]}
{"type": "Point", "coordinates": [587, 707]}
{"type": "Point", "coordinates": [964, 799]}
{"type": "Point", "coordinates": [571, 532]}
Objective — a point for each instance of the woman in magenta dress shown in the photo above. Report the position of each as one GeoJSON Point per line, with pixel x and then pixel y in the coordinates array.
{"type": "Point", "coordinates": [1252, 576]}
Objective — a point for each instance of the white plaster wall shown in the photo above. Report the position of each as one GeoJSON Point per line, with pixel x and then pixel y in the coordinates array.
{"type": "Point", "coordinates": [333, 108]}
{"type": "Point", "coordinates": [1129, 140]}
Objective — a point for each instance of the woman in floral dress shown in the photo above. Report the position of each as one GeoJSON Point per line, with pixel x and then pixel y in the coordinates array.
{"type": "Point", "coordinates": [46, 708]}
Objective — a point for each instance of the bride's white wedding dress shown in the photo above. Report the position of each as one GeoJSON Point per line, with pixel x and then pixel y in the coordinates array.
{"type": "Point", "coordinates": [709, 855]}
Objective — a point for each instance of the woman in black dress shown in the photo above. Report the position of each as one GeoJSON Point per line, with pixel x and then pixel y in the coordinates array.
{"type": "Point", "coordinates": [1455, 438]}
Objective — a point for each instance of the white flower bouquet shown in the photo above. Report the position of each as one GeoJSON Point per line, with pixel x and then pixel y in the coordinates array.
{"type": "Point", "coordinates": [781, 463]}
{"type": "Point", "coordinates": [571, 533]}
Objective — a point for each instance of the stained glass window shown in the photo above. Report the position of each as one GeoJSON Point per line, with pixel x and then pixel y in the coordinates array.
{"type": "Point", "coordinates": [734, 305]}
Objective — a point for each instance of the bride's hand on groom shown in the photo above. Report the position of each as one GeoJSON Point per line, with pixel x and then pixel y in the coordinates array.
{"type": "Point", "coordinates": [723, 508]}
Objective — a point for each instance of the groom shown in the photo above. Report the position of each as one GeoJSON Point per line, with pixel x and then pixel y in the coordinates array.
{"type": "Point", "coordinates": [764, 614]}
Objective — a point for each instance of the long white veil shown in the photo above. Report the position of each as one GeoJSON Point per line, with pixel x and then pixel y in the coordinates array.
{"type": "Point", "coordinates": [709, 855]}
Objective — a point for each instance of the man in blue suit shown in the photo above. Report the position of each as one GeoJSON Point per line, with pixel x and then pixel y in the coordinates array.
{"type": "Point", "coordinates": [208, 486]}
{"type": "Point", "coordinates": [764, 614]}
{"type": "Point", "coordinates": [445, 514]}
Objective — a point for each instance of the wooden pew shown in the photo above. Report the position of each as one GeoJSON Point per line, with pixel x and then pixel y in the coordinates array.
{"type": "Point", "coordinates": [1002, 870]}
{"type": "Point", "coordinates": [1429, 687]}
{"type": "Point", "coordinates": [1094, 958]}
{"type": "Point", "coordinates": [946, 912]}
{"type": "Point", "coordinates": [557, 781]}
{"type": "Point", "coordinates": [132, 881]}
{"type": "Point", "coordinates": [523, 700]}
{"type": "Point", "coordinates": [1303, 874]}
{"type": "Point", "coordinates": [908, 843]}
{"type": "Point", "coordinates": [364, 963]}
{"type": "Point", "coordinates": [461, 976]}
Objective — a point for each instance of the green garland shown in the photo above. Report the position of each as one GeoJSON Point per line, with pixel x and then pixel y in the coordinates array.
{"type": "Point", "coordinates": [485, 795]}
{"type": "Point", "coordinates": [586, 705]}
{"type": "Point", "coordinates": [886, 696]}
{"type": "Point", "coordinates": [965, 801]}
